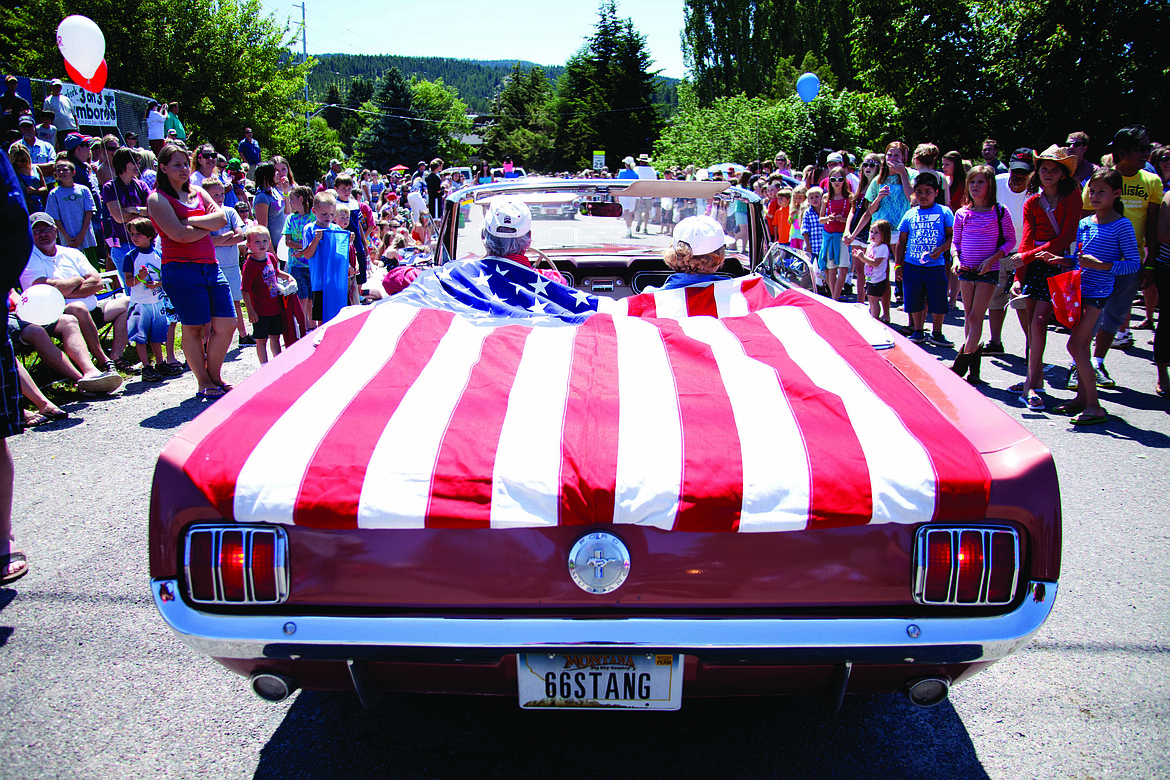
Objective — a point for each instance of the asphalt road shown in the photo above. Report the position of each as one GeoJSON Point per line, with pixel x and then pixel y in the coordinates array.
{"type": "Point", "coordinates": [93, 685]}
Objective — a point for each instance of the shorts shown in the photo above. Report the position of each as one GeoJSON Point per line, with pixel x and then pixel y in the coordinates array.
{"type": "Point", "coordinates": [1003, 288]}
{"type": "Point", "coordinates": [741, 218]}
{"type": "Point", "coordinates": [197, 291]}
{"type": "Point", "coordinates": [235, 280]}
{"type": "Point", "coordinates": [877, 289]}
{"type": "Point", "coordinates": [831, 253]}
{"type": "Point", "coordinates": [11, 418]}
{"type": "Point", "coordinates": [1120, 300]}
{"type": "Point", "coordinates": [268, 325]}
{"type": "Point", "coordinates": [973, 275]}
{"type": "Point", "coordinates": [1096, 303]}
{"type": "Point", "coordinates": [304, 281]}
{"type": "Point", "coordinates": [924, 286]}
{"type": "Point", "coordinates": [1036, 278]}
{"type": "Point", "coordinates": [147, 324]}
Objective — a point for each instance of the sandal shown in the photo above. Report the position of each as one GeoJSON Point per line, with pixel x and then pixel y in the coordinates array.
{"type": "Point", "coordinates": [1085, 418]}
{"type": "Point", "coordinates": [1068, 408]}
{"type": "Point", "coordinates": [52, 414]}
{"type": "Point", "coordinates": [1033, 402]}
{"type": "Point", "coordinates": [211, 393]}
{"type": "Point", "coordinates": [1018, 387]}
{"type": "Point", "coordinates": [16, 556]}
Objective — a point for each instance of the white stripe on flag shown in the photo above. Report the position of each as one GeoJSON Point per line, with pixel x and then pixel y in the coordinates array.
{"type": "Point", "coordinates": [671, 304]}
{"type": "Point", "coordinates": [776, 479]}
{"type": "Point", "coordinates": [527, 471]}
{"type": "Point", "coordinates": [729, 298]}
{"type": "Point", "coordinates": [649, 459]}
{"type": "Point", "coordinates": [397, 488]}
{"type": "Point", "coordinates": [901, 475]}
{"type": "Point", "coordinates": [270, 479]}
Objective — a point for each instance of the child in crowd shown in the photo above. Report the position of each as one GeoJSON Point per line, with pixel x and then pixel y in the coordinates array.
{"type": "Point", "coordinates": [876, 258]}
{"type": "Point", "coordinates": [330, 280]}
{"type": "Point", "coordinates": [227, 241]}
{"type": "Point", "coordinates": [300, 200]}
{"type": "Point", "coordinates": [341, 219]}
{"type": "Point", "coordinates": [834, 213]}
{"type": "Point", "coordinates": [30, 178]}
{"type": "Point", "coordinates": [148, 323]}
{"type": "Point", "coordinates": [781, 227]}
{"type": "Point", "coordinates": [796, 215]}
{"type": "Point", "coordinates": [1106, 248]}
{"type": "Point", "coordinates": [924, 238]}
{"type": "Point", "coordinates": [984, 234]}
{"type": "Point", "coordinates": [46, 130]}
{"type": "Point", "coordinates": [812, 231]}
{"type": "Point", "coordinates": [261, 292]}
{"type": "Point", "coordinates": [71, 206]}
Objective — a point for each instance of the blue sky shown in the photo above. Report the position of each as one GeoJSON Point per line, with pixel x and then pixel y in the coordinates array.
{"type": "Point", "coordinates": [546, 32]}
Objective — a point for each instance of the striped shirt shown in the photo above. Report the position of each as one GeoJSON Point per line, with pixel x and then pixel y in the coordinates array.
{"type": "Point", "coordinates": [1112, 242]}
{"type": "Point", "coordinates": [977, 236]}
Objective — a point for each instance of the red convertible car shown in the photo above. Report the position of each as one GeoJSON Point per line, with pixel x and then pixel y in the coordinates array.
{"type": "Point", "coordinates": [604, 493]}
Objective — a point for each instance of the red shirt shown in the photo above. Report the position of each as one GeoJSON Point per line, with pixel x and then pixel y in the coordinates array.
{"type": "Point", "coordinates": [837, 209]}
{"type": "Point", "coordinates": [201, 251]}
{"type": "Point", "coordinates": [260, 283]}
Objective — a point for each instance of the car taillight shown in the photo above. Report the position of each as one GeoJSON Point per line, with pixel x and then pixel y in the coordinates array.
{"type": "Point", "coordinates": [968, 566]}
{"type": "Point", "coordinates": [236, 564]}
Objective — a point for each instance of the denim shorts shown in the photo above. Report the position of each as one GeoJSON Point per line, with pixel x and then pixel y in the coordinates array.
{"type": "Point", "coordinates": [147, 324]}
{"type": "Point", "coordinates": [924, 287]}
{"type": "Point", "coordinates": [197, 291]}
{"type": "Point", "coordinates": [304, 282]}
{"type": "Point", "coordinates": [973, 275]}
{"type": "Point", "coordinates": [1120, 300]}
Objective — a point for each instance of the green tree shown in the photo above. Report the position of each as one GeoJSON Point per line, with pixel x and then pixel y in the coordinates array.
{"type": "Point", "coordinates": [784, 83]}
{"type": "Point", "coordinates": [334, 114]}
{"type": "Point", "coordinates": [605, 99]}
{"type": "Point", "coordinates": [445, 115]}
{"type": "Point", "coordinates": [225, 61]}
{"type": "Point", "coordinates": [522, 126]}
{"type": "Point", "coordinates": [394, 133]}
{"type": "Point", "coordinates": [315, 148]}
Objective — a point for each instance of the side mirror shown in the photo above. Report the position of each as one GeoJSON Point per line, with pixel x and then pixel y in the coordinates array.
{"type": "Point", "coordinates": [600, 209]}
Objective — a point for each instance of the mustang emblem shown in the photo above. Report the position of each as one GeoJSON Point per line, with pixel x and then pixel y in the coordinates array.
{"type": "Point", "coordinates": [599, 563]}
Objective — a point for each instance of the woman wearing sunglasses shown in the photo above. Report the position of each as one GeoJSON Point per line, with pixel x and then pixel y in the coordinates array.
{"type": "Point", "coordinates": [203, 165]}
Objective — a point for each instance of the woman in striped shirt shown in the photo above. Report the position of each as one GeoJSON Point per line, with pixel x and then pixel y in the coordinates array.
{"type": "Point", "coordinates": [984, 234]}
{"type": "Point", "coordinates": [1107, 247]}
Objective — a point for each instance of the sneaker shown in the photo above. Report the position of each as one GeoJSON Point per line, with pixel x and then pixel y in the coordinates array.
{"type": "Point", "coordinates": [247, 341]}
{"type": "Point", "coordinates": [1073, 381]}
{"type": "Point", "coordinates": [151, 374]}
{"type": "Point", "coordinates": [103, 383]}
{"type": "Point", "coordinates": [170, 369]}
{"type": "Point", "coordinates": [1123, 339]}
{"type": "Point", "coordinates": [993, 348]}
{"type": "Point", "coordinates": [123, 366]}
{"type": "Point", "coordinates": [1103, 378]}
{"type": "Point", "coordinates": [939, 340]}
{"type": "Point", "coordinates": [918, 336]}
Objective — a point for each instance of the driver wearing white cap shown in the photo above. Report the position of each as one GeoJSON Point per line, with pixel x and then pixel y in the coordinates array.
{"type": "Point", "coordinates": [507, 234]}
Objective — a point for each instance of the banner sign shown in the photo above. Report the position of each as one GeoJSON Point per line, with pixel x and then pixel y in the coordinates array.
{"type": "Point", "coordinates": [90, 108]}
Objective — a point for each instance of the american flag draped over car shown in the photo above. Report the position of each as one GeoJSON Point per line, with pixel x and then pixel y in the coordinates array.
{"type": "Point", "coordinates": [459, 404]}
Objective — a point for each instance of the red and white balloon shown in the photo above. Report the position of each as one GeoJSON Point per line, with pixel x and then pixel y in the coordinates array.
{"type": "Point", "coordinates": [83, 46]}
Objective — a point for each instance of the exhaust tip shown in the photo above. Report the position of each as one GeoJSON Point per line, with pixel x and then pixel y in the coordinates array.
{"type": "Point", "coordinates": [271, 686]}
{"type": "Point", "coordinates": [927, 692]}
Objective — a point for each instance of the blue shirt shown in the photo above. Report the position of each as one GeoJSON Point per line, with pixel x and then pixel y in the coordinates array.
{"type": "Point", "coordinates": [249, 151]}
{"type": "Point", "coordinates": [1112, 242]}
{"type": "Point", "coordinates": [893, 206]}
{"type": "Point", "coordinates": [927, 229]}
{"type": "Point", "coordinates": [674, 281]}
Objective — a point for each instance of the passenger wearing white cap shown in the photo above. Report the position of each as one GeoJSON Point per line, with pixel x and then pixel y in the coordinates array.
{"type": "Point", "coordinates": [507, 234]}
{"type": "Point", "coordinates": [696, 254]}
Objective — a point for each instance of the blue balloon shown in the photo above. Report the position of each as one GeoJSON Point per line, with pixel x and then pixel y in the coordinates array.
{"type": "Point", "coordinates": [807, 86]}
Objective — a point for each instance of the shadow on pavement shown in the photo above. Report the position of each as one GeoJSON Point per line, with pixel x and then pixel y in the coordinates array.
{"type": "Point", "coordinates": [175, 416]}
{"type": "Point", "coordinates": [328, 735]}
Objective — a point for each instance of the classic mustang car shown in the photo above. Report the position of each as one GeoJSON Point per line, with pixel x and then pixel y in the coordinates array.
{"type": "Point", "coordinates": [604, 494]}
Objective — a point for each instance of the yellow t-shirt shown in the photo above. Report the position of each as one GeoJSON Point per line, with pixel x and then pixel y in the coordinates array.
{"type": "Point", "coordinates": [1137, 193]}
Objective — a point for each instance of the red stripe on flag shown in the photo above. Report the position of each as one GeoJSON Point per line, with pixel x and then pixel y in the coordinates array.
{"type": "Point", "coordinates": [712, 462]}
{"type": "Point", "coordinates": [964, 483]}
{"type": "Point", "coordinates": [589, 438]}
{"type": "Point", "coordinates": [642, 306]}
{"type": "Point", "coordinates": [461, 488]}
{"type": "Point", "coordinates": [215, 463]}
{"type": "Point", "coordinates": [757, 294]}
{"type": "Point", "coordinates": [331, 488]}
{"type": "Point", "coordinates": [701, 301]}
{"type": "Point", "coordinates": [839, 491]}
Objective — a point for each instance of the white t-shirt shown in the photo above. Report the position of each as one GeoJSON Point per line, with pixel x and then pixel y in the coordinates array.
{"type": "Point", "coordinates": [140, 293]}
{"type": "Point", "coordinates": [1014, 203]}
{"type": "Point", "coordinates": [229, 255]}
{"type": "Point", "coordinates": [66, 264]}
{"type": "Point", "coordinates": [877, 252]}
{"type": "Point", "coordinates": [62, 108]}
{"type": "Point", "coordinates": [154, 126]}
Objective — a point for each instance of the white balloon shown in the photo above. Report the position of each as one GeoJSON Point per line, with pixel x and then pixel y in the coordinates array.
{"type": "Point", "coordinates": [82, 44]}
{"type": "Point", "coordinates": [40, 304]}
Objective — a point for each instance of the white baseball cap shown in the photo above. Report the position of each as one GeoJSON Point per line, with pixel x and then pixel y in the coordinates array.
{"type": "Point", "coordinates": [508, 218]}
{"type": "Point", "coordinates": [703, 234]}
{"type": "Point", "coordinates": [628, 160]}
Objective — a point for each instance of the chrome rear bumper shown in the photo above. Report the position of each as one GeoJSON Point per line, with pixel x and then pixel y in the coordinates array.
{"type": "Point", "coordinates": [787, 640]}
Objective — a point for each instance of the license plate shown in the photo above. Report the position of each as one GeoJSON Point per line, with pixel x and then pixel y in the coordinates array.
{"type": "Point", "coordinates": [636, 681]}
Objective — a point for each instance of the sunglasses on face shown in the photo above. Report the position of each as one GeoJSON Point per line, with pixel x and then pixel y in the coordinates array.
{"type": "Point", "coordinates": [836, 178]}
{"type": "Point", "coordinates": [111, 148]}
{"type": "Point", "coordinates": [869, 165]}
{"type": "Point", "coordinates": [43, 228]}
{"type": "Point", "coordinates": [206, 156]}
{"type": "Point", "coordinates": [1075, 143]}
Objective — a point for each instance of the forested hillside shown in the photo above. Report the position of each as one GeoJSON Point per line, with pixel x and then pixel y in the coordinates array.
{"type": "Point", "coordinates": [476, 81]}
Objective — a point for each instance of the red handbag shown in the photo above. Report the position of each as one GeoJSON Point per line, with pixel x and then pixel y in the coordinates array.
{"type": "Point", "coordinates": [1066, 297]}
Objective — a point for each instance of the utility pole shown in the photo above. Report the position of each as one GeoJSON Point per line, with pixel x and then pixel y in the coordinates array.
{"type": "Point", "coordinates": [305, 58]}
